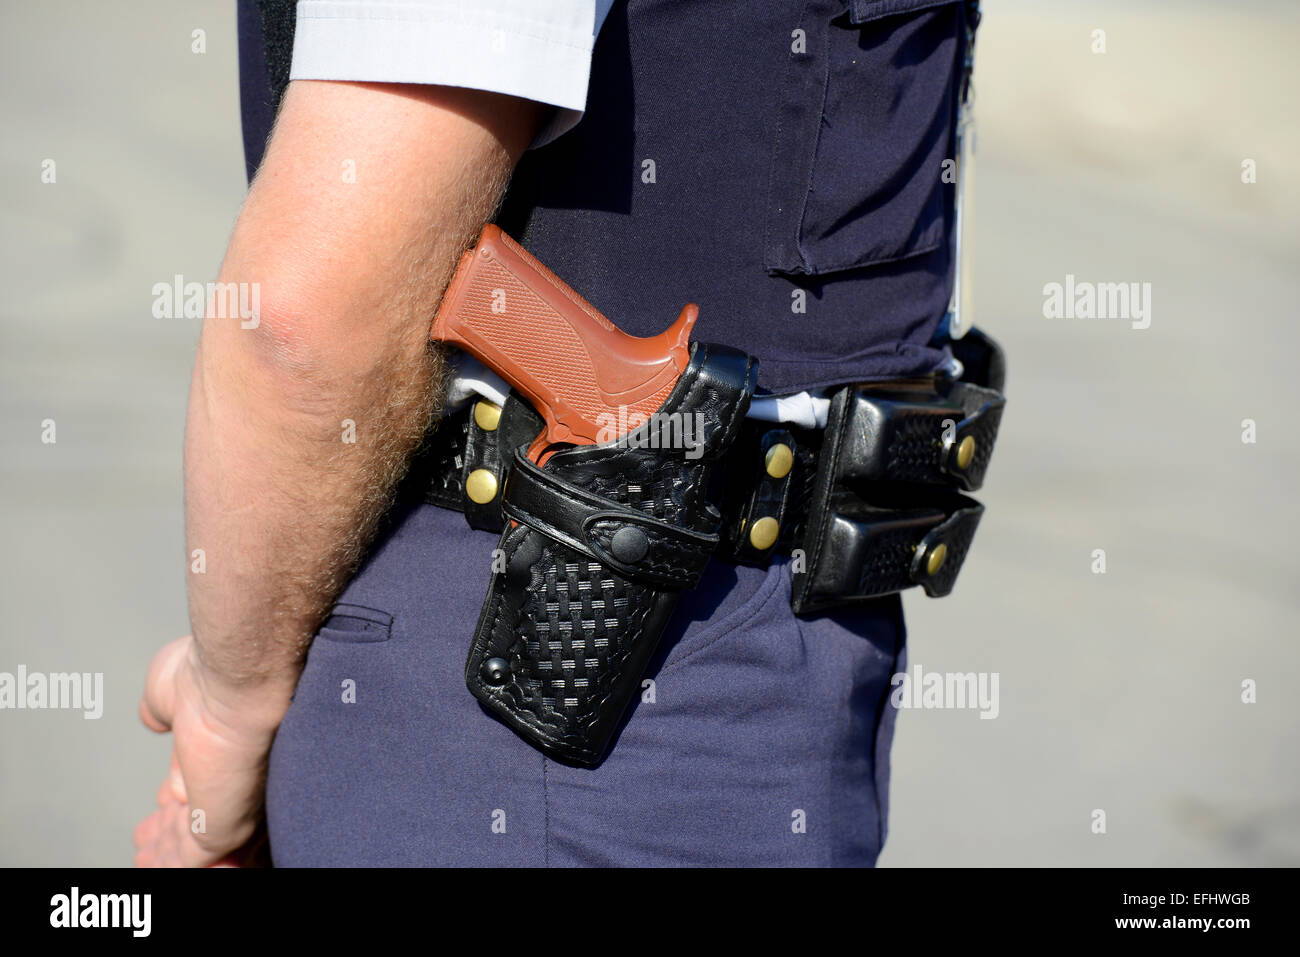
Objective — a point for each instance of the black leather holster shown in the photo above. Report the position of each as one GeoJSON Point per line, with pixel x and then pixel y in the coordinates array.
{"type": "Point", "coordinates": [598, 544]}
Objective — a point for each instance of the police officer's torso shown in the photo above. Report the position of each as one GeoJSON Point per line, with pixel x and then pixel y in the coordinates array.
{"type": "Point", "coordinates": [779, 163]}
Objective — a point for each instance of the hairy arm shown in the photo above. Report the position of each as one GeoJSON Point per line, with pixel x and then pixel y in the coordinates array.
{"type": "Point", "coordinates": [366, 197]}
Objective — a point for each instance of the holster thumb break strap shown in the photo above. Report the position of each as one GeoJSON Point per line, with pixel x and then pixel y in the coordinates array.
{"type": "Point", "coordinates": [632, 543]}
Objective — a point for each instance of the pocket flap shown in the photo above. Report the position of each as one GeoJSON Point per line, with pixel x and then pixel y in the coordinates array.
{"type": "Point", "coordinates": [862, 11]}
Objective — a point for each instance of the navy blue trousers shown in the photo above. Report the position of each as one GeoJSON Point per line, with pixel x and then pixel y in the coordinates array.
{"type": "Point", "coordinates": [763, 739]}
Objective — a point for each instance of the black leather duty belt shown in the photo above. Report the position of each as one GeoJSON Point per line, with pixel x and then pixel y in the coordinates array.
{"type": "Point", "coordinates": [872, 504]}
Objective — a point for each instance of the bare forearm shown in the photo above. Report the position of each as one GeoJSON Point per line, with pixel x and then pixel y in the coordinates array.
{"type": "Point", "coordinates": [300, 427]}
{"type": "Point", "coordinates": [284, 485]}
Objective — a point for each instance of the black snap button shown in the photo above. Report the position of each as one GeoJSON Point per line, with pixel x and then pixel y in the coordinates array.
{"type": "Point", "coordinates": [495, 671]}
{"type": "Point", "coordinates": [629, 545]}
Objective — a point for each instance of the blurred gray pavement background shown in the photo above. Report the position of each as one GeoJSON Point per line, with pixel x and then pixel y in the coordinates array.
{"type": "Point", "coordinates": [1119, 692]}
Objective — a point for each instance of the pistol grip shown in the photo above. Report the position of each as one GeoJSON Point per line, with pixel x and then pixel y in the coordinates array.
{"type": "Point", "coordinates": [582, 374]}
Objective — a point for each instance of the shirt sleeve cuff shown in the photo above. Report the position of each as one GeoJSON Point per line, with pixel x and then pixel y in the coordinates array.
{"type": "Point", "coordinates": [504, 49]}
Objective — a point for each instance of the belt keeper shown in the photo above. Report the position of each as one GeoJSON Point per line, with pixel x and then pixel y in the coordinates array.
{"type": "Point", "coordinates": [763, 523]}
{"type": "Point", "coordinates": [493, 433]}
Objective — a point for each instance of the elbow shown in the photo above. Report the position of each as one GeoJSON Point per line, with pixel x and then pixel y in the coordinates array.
{"type": "Point", "coordinates": [291, 337]}
{"type": "Point", "coordinates": [298, 340]}
{"type": "Point", "coordinates": [313, 353]}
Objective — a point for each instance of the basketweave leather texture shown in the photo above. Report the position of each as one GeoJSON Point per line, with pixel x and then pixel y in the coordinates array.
{"type": "Point", "coordinates": [599, 543]}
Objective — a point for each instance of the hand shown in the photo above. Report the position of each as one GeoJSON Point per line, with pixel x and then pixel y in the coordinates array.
{"type": "Point", "coordinates": [210, 806]}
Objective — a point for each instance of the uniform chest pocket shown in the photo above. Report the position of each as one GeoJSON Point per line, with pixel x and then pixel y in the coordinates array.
{"type": "Point", "coordinates": [865, 120]}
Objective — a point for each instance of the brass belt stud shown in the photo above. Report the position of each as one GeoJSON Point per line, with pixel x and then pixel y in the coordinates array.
{"type": "Point", "coordinates": [763, 534]}
{"type": "Point", "coordinates": [481, 486]}
{"type": "Point", "coordinates": [778, 460]}
{"type": "Point", "coordinates": [487, 415]}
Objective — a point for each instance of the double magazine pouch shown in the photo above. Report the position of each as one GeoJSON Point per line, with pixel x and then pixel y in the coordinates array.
{"type": "Point", "coordinates": [598, 543]}
{"type": "Point", "coordinates": [885, 510]}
